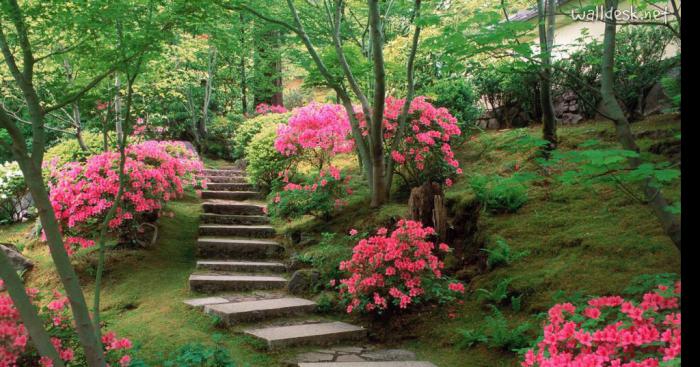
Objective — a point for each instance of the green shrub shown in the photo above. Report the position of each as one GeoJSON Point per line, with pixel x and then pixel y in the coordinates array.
{"type": "Point", "coordinates": [501, 254]}
{"type": "Point", "coordinates": [249, 128]}
{"type": "Point", "coordinates": [497, 333]}
{"type": "Point", "coordinates": [221, 130]}
{"type": "Point", "coordinates": [318, 196]}
{"type": "Point", "coordinates": [264, 161]}
{"type": "Point", "coordinates": [459, 97]}
{"type": "Point", "coordinates": [198, 355]}
{"type": "Point", "coordinates": [14, 201]}
{"type": "Point", "coordinates": [68, 149]}
{"type": "Point", "coordinates": [500, 194]}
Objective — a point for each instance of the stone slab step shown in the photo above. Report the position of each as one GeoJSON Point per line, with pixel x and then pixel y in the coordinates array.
{"type": "Point", "coordinates": [210, 283]}
{"type": "Point", "coordinates": [230, 195]}
{"type": "Point", "coordinates": [212, 218]}
{"type": "Point", "coordinates": [233, 208]}
{"type": "Point", "coordinates": [218, 186]}
{"type": "Point", "coordinates": [206, 301]}
{"type": "Point", "coordinates": [222, 172]}
{"type": "Point", "coordinates": [304, 334]}
{"type": "Point", "coordinates": [368, 364]}
{"type": "Point", "coordinates": [224, 179]}
{"type": "Point", "coordinates": [218, 248]}
{"type": "Point", "coordinates": [241, 266]}
{"type": "Point", "coordinates": [256, 231]}
{"type": "Point", "coordinates": [231, 313]}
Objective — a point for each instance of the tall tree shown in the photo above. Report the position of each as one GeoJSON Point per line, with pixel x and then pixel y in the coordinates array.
{"type": "Point", "coordinates": [547, 17]}
{"type": "Point", "coordinates": [614, 112]}
{"type": "Point", "coordinates": [329, 15]}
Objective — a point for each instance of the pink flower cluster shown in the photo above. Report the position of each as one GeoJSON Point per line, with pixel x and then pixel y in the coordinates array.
{"type": "Point", "coordinates": [264, 109]}
{"type": "Point", "coordinates": [612, 332]}
{"type": "Point", "coordinates": [424, 153]}
{"type": "Point", "coordinates": [82, 193]}
{"type": "Point", "coordinates": [394, 270]}
{"type": "Point", "coordinates": [321, 128]}
{"type": "Point", "coordinates": [14, 337]}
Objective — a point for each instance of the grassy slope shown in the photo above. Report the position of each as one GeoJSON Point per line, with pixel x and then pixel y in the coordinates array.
{"type": "Point", "coordinates": [580, 239]}
{"type": "Point", "coordinates": [588, 240]}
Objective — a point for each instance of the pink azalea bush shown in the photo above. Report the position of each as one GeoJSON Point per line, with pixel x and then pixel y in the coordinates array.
{"type": "Point", "coordinates": [612, 332]}
{"type": "Point", "coordinates": [313, 135]}
{"type": "Point", "coordinates": [424, 153]}
{"type": "Point", "coordinates": [17, 350]}
{"type": "Point", "coordinates": [391, 272]}
{"type": "Point", "coordinates": [82, 193]}
{"type": "Point", "coordinates": [318, 131]}
{"type": "Point", "coordinates": [264, 109]}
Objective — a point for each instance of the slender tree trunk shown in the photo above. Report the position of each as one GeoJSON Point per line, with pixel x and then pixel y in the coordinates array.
{"type": "Point", "coordinates": [244, 82]}
{"type": "Point", "coordinates": [27, 311]}
{"type": "Point", "coordinates": [81, 314]}
{"type": "Point", "coordinates": [654, 197]}
{"type": "Point", "coordinates": [547, 18]}
{"type": "Point", "coordinates": [79, 127]}
{"type": "Point", "coordinates": [211, 70]}
{"type": "Point", "coordinates": [376, 146]}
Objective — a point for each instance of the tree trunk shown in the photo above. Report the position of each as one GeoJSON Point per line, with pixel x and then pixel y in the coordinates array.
{"type": "Point", "coordinates": [670, 223]}
{"type": "Point", "coordinates": [244, 83]}
{"type": "Point", "coordinates": [379, 189]}
{"type": "Point", "coordinates": [83, 324]}
{"type": "Point", "coordinates": [546, 32]}
{"type": "Point", "coordinates": [211, 70]}
{"type": "Point", "coordinates": [426, 204]}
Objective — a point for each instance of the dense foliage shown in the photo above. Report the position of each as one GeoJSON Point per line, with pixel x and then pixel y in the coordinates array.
{"type": "Point", "coordinates": [14, 195]}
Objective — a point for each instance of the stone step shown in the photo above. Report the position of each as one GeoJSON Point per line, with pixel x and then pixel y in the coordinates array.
{"type": "Point", "coordinates": [233, 208]}
{"type": "Point", "coordinates": [223, 179]}
{"type": "Point", "coordinates": [241, 266]}
{"type": "Point", "coordinates": [231, 313]}
{"type": "Point", "coordinates": [230, 195]}
{"type": "Point", "coordinates": [211, 283]}
{"type": "Point", "coordinates": [218, 248]}
{"type": "Point", "coordinates": [368, 364]}
{"type": "Point", "coordinates": [211, 218]}
{"type": "Point", "coordinates": [255, 231]}
{"type": "Point", "coordinates": [223, 172]}
{"type": "Point", "coordinates": [217, 186]}
{"type": "Point", "coordinates": [206, 301]}
{"type": "Point", "coordinates": [304, 334]}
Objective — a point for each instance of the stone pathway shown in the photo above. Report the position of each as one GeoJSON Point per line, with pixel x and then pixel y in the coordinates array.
{"type": "Point", "coordinates": [237, 252]}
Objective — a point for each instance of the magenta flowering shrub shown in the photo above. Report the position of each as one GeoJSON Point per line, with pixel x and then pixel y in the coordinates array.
{"type": "Point", "coordinates": [264, 109]}
{"type": "Point", "coordinates": [16, 350]}
{"type": "Point", "coordinates": [395, 271]}
{"type": "Point", "coordinates": [612, 332]}
{"type": "Point", "coordinates": [82, 193]}
{"type": "Point", "coordinates": [314, 134]}
{"type": "Point", "coordinates": [424, 153]}
{"type": "Point", "coordinates": [317, 132]}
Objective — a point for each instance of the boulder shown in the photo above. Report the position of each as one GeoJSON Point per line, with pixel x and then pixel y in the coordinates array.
{"type": "Point", "coordinates": [303, 281]}
{"type": "Point", "coordinates": [18, 261]}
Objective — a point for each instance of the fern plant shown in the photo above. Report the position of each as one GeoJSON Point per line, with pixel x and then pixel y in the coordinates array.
{"type": "Point", "coordinates": [502, 254]}
{"type": "Point", "coordinates": [495, 296]}
{"type": "Point", "coordinates": [496, 332]}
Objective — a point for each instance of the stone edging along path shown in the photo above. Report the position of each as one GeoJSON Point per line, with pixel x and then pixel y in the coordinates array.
{"type": "Point", "coordinates": [241, 269]}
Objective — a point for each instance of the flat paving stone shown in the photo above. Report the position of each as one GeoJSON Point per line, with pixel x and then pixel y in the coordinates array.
{"type": "Point", "coordinates": [202, 302]}
{"type": "Point", "coordinates": [229, 195]}
{"type": "Point", "coordinates": [209, 283]}
{"type": "Point", "coordinates": [241, 266]}
{"type": "Point", "coordinates": [257, 231]}
{"type": "Point", "coordinates": [315, 333]}
{"type": "Point", "coordinates": [368, 364]}
{"type": "Point", "coordinates": [231, 313]}
{"type": "Point", "coordinates": [212, 218]}
{"type": "Point", "coordinates": [218, 248]}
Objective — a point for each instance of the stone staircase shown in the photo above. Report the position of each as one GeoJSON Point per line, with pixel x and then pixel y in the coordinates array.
{"type": "Point", "coordinates": [240, 268]}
